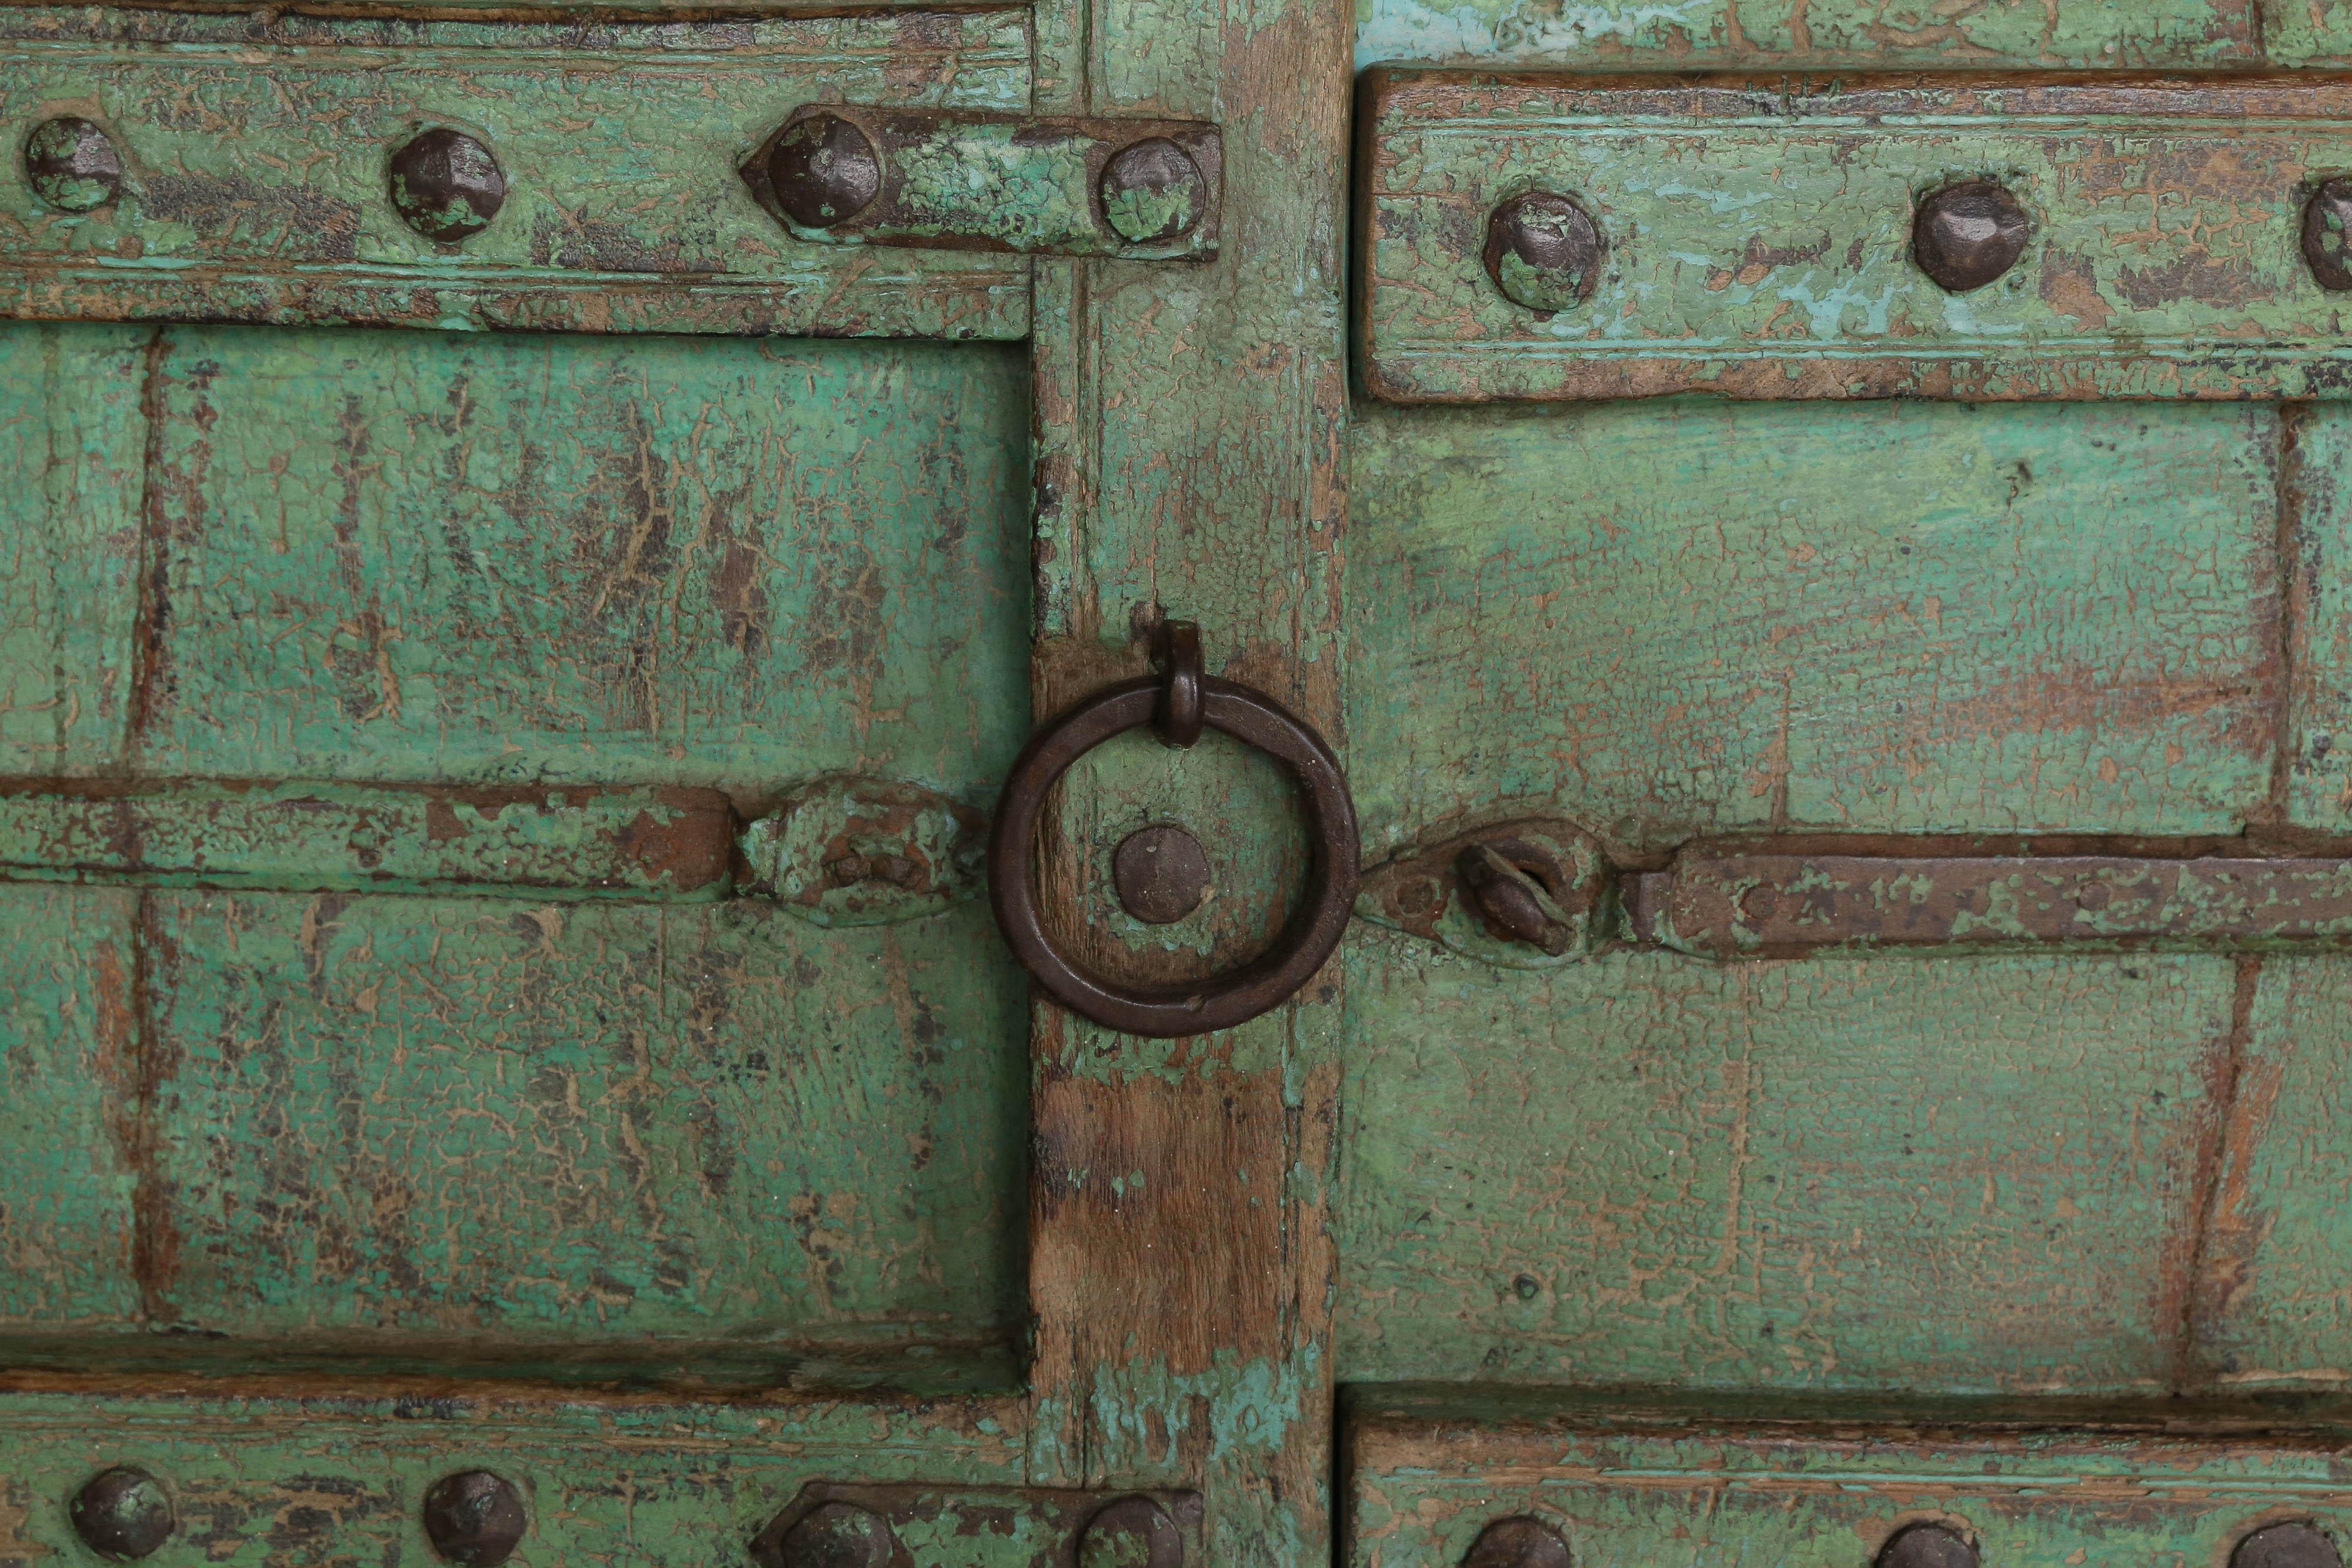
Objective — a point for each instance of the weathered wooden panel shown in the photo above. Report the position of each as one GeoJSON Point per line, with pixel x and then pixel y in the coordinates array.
{"type": "Point", "coordinates": [663, 561]}
{"type": "Point", "coordinates": [263, 1479]}
{"type": "Point", "coordinates": [2317, 489]}
{"type": "Point", "coordinates": [72, 440]}
{"type": "Point", "coordinates": [254, 184]}
{"type": "Point", "coordinates": [1962, 1176]}
{"type": "Point", "coordinates": [1756, 236]}
{"type": "Point", "coordinates": [70, 1091]}
{"type": "Point", "coordinates": [1424, 1484]}
{"type": "Point", "coordinates": [1680, 33]}
{"type": "Point", "coordinates": [705, 1141]}
{"type": "Point", "coordinates": [2274, 1295]}
{"type": "Point", "coordinates": [1667, 620]}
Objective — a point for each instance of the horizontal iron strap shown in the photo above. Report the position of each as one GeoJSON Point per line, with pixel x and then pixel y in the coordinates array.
{"type": "Point", "coordinates": [1769, 905]}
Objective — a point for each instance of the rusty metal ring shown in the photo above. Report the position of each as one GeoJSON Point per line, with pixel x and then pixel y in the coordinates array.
{"type": "Point", "coordinates": [1220, 1001]}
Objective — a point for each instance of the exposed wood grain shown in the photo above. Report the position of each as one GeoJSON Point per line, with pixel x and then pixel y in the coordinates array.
{"type": "Point", "coordinates": [1949, 1176]}
{"type": "Point", "coordinates": [254, 184]}
{"type": "Point", "coordinates": [1193, 467]}
{"type": "Point", "coordinates": [1665, 621]}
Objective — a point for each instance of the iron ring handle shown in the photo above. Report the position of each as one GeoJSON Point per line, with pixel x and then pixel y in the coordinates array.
{"type": "Point", "coordinates": [1220, 1001]}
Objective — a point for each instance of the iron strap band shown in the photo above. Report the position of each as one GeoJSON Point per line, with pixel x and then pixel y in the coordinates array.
{"type": "Point", "coordinates": [1223, 1000]}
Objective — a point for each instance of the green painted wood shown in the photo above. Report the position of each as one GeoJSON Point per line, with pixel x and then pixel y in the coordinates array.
{"type": "Point", "coordinates": [2175, 35]}
{"type": "Point", "coordinates": [2318, 743]}
{"type": "Point", "coordinates": [1426, 1481]}
{"type": "Point", "coordinates": [1963, 1175]}
{"type": "Point", "coordinates": [1759, 237]}
{"type": "Point", "coordinates": [69, 1098]}
{"type": "Point", "coordinates": [1689, 616]}
{"type": "Point", "coordinates": [254, 184]}
{"type": "Point", "coordinates": [273, 1479]}
{"type": "Point", "coordinates": [560, 844]}
{"type": "Point", "coordinates": [2274, 1313]}
{"type": "Point", "coordinates": [706, 1144]}
{"type": "Point", "coordinates": [72, 440]}
{"type": "Point", "coordinates": [574, 560]}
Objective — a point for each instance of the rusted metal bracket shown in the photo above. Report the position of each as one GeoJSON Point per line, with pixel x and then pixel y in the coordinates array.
{"type": "Point", "coordinates": [947, 180]}
{"type": "Point", "coordinates": [833, 1525]}
{"type": "Point", "coordinates": [1533, 892]}
{"type": "Point", "coordinates": [1762, 905]}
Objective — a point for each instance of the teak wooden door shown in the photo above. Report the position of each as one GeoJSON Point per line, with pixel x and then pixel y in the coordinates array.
{"type": "Point", "coordinates": [1680, 896]}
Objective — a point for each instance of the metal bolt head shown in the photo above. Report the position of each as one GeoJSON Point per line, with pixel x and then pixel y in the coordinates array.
{"type": "Point", "coordinates": [1518, 1542]}
{"type": "Point", "coordinates": [447, 185]}
{"type": "Point", "coordinates": [2296, 1544]}
{"type": "Point", "coordinates": [122, 1514]}
{"type": "Point", "coordinates": [1131, 1532]}
{"type": "Point", "coordinates": [1927, 1546]}
{"type": "Point", "coordinates": [1152, 190]}
{"type": "Point", "coordinates": [2326, 223]}
{"type": "Point", "coordinates": [474, 1517]}
{"type": "Point", "coordinates": [830, 1535]}
{"type": "Point", "coordinates": [1966, 234]}
{"type": "Point", "coordinates": [824, 170]}
{"type": "Point", "coordinates": [1544, 251]}
{"type": "Point", "coordinates": [1162, 875]}
{"type": "Point", "coordinates": [72, 164]}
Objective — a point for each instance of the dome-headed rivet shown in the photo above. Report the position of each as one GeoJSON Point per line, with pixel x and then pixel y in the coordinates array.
{"type": "Point", "coordinates": [1544, 251]}
{"type": "Point", "coordinates": [1966, 234]}
{"type": "Point", "coordinates": [2295, 1544]}
{"type": "Point", "coordinates": [1520, 1542]}
{"type": "Point", "coordinates": [1152, 190]}
{"type": "Point", "coordinates": [447, 185]}
{"type": "Point", "coordinates": [824, 170]}
{"type": "Point", "coordinates": [475, 1519]}
{"type": "Point", "coordinates": [1927, 1546]}
{"type": "Point", "coordinates": [122, 1514]}
{"type": "Point", "coordinates": [72, 165]}
{"type": "Point", "coordinates": [830, 1535]}
{"type": "Point", "coordinates": [2326, 225]}
{"type": "Point", "coordinates": [1131, 1532]}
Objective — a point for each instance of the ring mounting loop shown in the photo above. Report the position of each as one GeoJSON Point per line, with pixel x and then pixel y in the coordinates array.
{"type": "Point", "coordinates": [1220, 1001]}
{"type": "Point", "coordinates": [1178, 719]}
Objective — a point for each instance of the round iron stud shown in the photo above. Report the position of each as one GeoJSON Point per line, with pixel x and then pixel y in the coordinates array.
{"type": "Point", "coordinates": [1161, 873]}
{"type": "Point", "coordinates": [1966, 234]}
{"type": "Point", "coordinates": [1152, 190]}
{"type": "Point", "coordinates": [1927, 1546]}
{"type": "Point", "coordinates": [475, 1519]}
{"type": "Point", "coordinates": [2326, 225]}
{"type": "Point", "coordinates": [72, 164]}
{"type": "Point", "coordinates": [2295, 1544]}
{"type": "Point", "coordinates": [1518, 1542]}
{"type": "Point", "coordinates": [834, 1536]}
{"type": "Point", "coordinates": [447, 185]}
{"type": "Point", "coordinates": [1544, 251]}
{"type": "Point", "coordinates": [122, 1514]}
{"type": "Point", "coordinates": [824, 170]}
{"type": "Point", "coordinates": [1131, 1532]}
